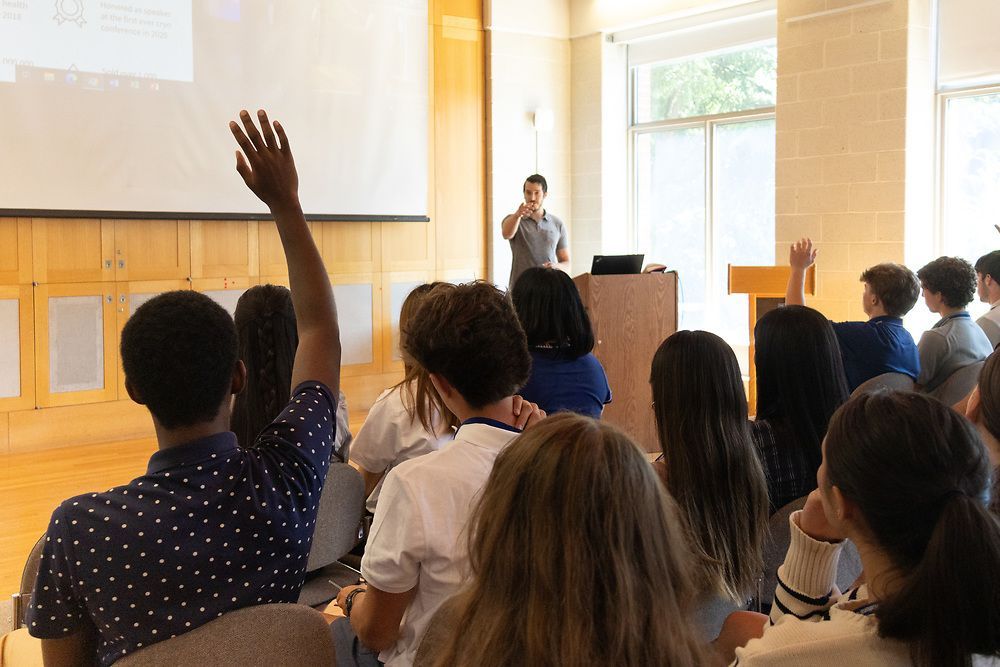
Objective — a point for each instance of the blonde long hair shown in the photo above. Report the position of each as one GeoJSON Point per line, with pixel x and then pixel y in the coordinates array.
{"type": "Point", "coordinates": [577, 558]}
{"type": "Point", "coordinates": [420, 399]}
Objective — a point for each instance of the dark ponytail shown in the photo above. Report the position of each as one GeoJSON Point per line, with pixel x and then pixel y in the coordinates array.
{"type": "Point", "coordinates": [920, 476]}
{"type": "Point", "coordinates": [268, 337]}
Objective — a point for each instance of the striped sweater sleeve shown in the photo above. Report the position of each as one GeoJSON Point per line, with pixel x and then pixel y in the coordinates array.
{"type": "Point", "coordinates": [806, 580]}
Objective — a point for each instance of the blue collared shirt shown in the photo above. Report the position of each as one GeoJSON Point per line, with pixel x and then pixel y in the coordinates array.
{"type": "Point", "coordinates": [880, 345]}
{"type": "Point", "coordinates": [209, 528]}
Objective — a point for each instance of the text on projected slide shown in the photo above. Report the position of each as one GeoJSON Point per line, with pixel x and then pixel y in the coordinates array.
{"type": "Point", "coordinates": [141, 38]}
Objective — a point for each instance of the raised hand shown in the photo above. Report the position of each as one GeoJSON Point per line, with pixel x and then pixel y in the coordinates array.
{"type": "Point", "coordinates": [802, 254]}
{"type": "Point", "coordinates": [265, 164]}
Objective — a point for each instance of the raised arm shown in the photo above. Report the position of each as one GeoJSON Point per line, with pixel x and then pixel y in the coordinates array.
{"type": "Point", "coordinates": [801, 256]}
{"type": "Point", "coordinates": [509, 225]}
{"type": "Point", "coordinates": [268, 169]}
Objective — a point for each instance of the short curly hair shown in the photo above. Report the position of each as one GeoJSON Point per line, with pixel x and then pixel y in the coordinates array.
{"type": "Point", "coordinates": [951, 277]}
{"type": "Point", "coordinates": [179, 350]}
{"type": "Point", "coordinates": [470, 336]}
{"type": "Point", "coordinates": [895, 286]}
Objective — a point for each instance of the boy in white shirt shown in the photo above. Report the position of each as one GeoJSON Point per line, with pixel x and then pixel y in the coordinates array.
{"type": "Point", "coordinates": [470, 342]}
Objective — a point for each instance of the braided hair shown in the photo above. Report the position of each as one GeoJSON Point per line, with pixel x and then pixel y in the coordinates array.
{"type": "Point", "coordinates": [268, 337]}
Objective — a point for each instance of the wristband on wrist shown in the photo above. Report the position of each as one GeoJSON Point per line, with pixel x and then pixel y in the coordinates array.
{"type": "Point", "coordinates": [349, 600]}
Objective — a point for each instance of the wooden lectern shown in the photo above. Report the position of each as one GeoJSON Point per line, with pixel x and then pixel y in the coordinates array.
{"type": "Point", "coordinates": [766, 287]}
{"type": "Point", "coordinates": [631, 315]}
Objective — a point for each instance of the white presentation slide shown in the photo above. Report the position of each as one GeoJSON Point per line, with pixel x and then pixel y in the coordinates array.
{"type": "Point", "coordinates": [124, 105]}
{"type": "Point", "coordinates": [144, 39]}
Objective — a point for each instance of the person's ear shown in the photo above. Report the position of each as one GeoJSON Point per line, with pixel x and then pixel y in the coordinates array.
{"type": "Point", "coordinates": [132, 393]}
{"type": "Point", "coordinates": [239, 379]}
{"type": "Point", "coordinates": [844, 509]}
{"type": "Point", "coordinates": [443, 387]}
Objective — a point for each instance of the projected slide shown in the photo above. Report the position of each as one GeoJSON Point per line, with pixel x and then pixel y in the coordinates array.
{"type": "Point", "coordinates": [124, 105]}
{"type": "Point", "coordinates": [137, 39]}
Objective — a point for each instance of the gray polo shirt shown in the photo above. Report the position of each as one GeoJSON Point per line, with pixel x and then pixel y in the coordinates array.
{"type": "Point", "coordinates": [990, 323]}
{"type": "Point", "coordinates": [535, 243]}
{"type": "Point", "coordinates": [952, 344]}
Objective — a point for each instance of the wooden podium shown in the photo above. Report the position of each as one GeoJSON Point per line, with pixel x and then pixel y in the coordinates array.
{"type": "Point", "coordinates": [766, 287]}
{"type": "Point", "coordinates": [631, 316]}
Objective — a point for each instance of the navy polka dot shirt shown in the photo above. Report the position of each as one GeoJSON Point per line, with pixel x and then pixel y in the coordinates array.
{"type": "Point", "coordinates": [209, 528]}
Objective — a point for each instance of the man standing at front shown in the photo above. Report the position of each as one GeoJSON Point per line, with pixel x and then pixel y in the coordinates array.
{"type": "Point", "coordinates": [537, 238]}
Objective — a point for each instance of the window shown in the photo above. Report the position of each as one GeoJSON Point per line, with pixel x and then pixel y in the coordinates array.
{"type": "Point", "coordinates": [970, 177]}
{"type": "Point", "coordinates": [968, 71]}
{"type": "Point", "coordinates": [702, 138]}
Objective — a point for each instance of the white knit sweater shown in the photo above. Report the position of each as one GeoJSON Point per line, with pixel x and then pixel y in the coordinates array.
{"type": "Point", "coordinates": [812, 623]}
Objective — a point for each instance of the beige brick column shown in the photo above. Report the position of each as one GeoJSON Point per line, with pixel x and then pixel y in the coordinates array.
{"type": "Point", "coordinates": [845, 85]}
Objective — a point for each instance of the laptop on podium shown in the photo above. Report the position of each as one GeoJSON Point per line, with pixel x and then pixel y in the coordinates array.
{"type": "Point", "coordinates": [607, 265]}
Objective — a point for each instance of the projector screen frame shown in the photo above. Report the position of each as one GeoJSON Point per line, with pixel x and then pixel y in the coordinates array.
{"type": "Point", "coordinates": [172, 215]}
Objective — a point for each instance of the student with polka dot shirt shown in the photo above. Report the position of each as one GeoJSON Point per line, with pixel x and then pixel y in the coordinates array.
{"type": "Point", "coordinates": [210, 527]}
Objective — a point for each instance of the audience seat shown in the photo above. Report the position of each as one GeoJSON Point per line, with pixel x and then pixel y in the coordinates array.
{"type": "Point", "coordinates": [892, 381]}
{"type": "Point", "coordinates": [22, 598]}
{"type": "Point", "coordinates": [277, 635]}
{"type": "Point", "coordinates": [337, 524]}
{"type": "Point", "coordinates": [711, 612]}
{"type": "Point", "coordinates": [776, 546]}
{"type": "Point", "coordinates": [959, 384]}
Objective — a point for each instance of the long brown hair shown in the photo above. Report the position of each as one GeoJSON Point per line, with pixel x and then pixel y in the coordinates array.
{"type": "Point", "coordinates": [920, 475]}
{"type": "Point", "coordinates": [420, 399]}
{"type": "Point", "coordinates": [712, 469]}
{"type": "Point", "coordinates": [577, 558]}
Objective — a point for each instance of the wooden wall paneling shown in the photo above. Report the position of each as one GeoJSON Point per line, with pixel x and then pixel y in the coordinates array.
{"type": "Point", "coordinates": [359, 322]}
{"type": "Point", "coordinates": [350, 247]}
{"type": "Point", "coordinates": [396, 287]}
{"type": "Point", "coordinates": [226, 291]}
{"type": "Point", "coordinates": [66, 250]}
{"type": "Point", "coordinates": [408, 246]}
{"type": "Point", "coordinates": [441, 9]}
{"type": "Point", "coordinates": [15, 251]}
{"type": "Point", "coordinates": [25, 344]}
{"type": "Point", "coordinates": [361, 392]}
{"type": "Point", "coordinates": [77, 425]}
{"type": "Point", "coordinates": [460, 138]}
{"type": "Point", "coordinates": [152, 249]}
{"type": "Point", "coordinates": [4, 435]}
{"type": "Point", "coordinates": [83, 345]}
{"type": "Point", "coordinates": [128, 297]}
{"type": "Point", "coordinates": [224, 249]}
{"type": "Point", "coordinates": [462, 275]}
{"type": "Point", "coordinates": [272, 255]}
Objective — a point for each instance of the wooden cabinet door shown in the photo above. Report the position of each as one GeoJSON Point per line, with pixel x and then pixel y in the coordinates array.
{"type": "Point", "coordinates": [350, 247]}
{"type": "Point", "coordinates": [395, 288]}
{"type": "Point", "coordinates": [76, 343]}
{"type": "Point", "coordinates": [225, 291]}
{"type": "Point", "coordinates": [15, 251]}
{"type": "Point", "coordinates": [72, 251]}
{"type": "Point", "coordinates": [359, 310]}
{"type": "Point", "coordinates": [152, 250]}
{"type": "Point", "coordinates": [17, 348]}
{"type": "Point", "coordinates": [223, 249]}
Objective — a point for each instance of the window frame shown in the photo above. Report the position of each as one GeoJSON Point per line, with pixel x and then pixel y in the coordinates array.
{"type": "Point", "coordinates": [708, 123]}
{"type": "Point", "coordinates": [944, 95]}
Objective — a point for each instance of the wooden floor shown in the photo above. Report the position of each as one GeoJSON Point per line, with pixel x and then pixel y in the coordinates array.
{"type": "Point", "coordinates": [32, 485]}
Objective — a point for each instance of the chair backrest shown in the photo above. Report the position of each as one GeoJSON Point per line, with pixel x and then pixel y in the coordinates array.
{"type": "Point", "coordinates": [895, 381]}
{"type": "Point", "coordinates": [959, 384]}
{"type": "Point", "coordinates": [339, 515]}
{"type": "Point", "coordinates": [276, 635]}
{"type": "Point", "coordinates": [775, 547]}
{"type": "Point", "coordinates": [22, 598]}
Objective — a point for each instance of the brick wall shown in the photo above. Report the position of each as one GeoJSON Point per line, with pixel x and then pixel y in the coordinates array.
{"type": "Point", "coordinates": [845, 84]}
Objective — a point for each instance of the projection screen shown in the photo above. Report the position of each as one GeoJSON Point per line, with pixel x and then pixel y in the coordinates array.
{"type": "Point", "coordinates": [123, 105]}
